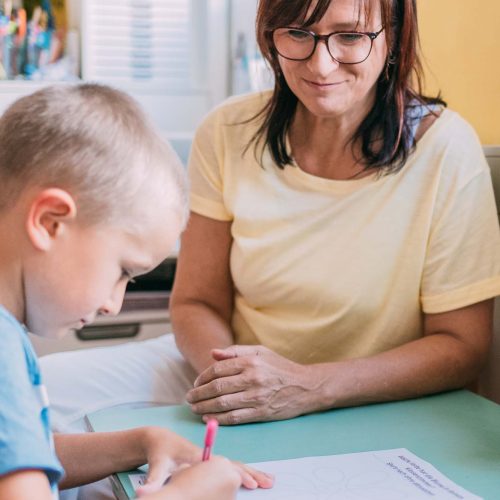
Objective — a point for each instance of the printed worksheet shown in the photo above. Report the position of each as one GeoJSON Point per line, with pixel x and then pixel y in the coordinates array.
{"type": "Point", "coordinates": [376, 475]}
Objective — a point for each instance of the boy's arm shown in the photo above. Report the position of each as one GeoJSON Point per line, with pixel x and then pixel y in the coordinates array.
{"type": "Point", "coordinates": [25, 485]}
{"type": "Point", "coordinates": [93, 456]}
{"type": "Point", "coordinates": [90, 457]}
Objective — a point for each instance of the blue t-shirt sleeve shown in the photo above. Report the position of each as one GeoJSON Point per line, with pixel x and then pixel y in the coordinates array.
{"type": "Point", "coordinates": [24, 443]}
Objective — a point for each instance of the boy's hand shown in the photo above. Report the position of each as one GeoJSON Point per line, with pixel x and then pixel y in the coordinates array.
{"type": "Point", "coordinates": [215, 479]}
{"type": "Point", "coordinates": [166, 451]}
{"type": "Point", "coordinates": [253, 478]}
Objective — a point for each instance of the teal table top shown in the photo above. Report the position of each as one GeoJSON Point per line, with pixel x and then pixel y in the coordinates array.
{"type": "Point", "coordinates": [457, 432]}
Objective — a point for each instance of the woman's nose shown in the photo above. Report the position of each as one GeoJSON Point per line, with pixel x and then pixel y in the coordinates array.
{"type": "Point", "coordinates": [321, 62]}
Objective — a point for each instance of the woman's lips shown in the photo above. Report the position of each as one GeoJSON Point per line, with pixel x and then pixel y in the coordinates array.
{"type": "Point", "coordinates": [323, 85]}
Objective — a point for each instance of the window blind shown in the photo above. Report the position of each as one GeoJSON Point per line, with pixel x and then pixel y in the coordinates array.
{"type": "Point", "coordinates": [142, 42]}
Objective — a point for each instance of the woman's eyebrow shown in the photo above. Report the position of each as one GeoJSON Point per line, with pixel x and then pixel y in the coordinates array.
{"type": "Point", "coordinates": [347, 26]}
{"type": "Point", "coordinates": [343, 26]}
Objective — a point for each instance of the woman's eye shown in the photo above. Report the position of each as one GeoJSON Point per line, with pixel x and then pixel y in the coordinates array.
{"type": "Point", "coordinates": [298, 35]}
{"type": "Point", "coordinates": [349, 38]}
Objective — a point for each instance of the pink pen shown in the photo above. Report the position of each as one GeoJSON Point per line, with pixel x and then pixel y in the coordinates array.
{"type": "Point", "coordinates": [211, 432]}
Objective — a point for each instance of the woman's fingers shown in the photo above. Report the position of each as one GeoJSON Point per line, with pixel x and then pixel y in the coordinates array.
{"type": "Point", "coordinates": [235, 417]}
{"type": "Point", "coordinates": [231, 361]}
{"type": "Point", "coordinates": [228, 402]}
{"type": "Point", "coordinates": [217, 388]}
{"type": "Point", "coordinates": [224, 368]}
{"type": "Point", "coordinates": [252, 383]}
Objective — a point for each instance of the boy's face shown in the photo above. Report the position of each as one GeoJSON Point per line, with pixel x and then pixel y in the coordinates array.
{"type": "Point", "coordinates": [88, 269]}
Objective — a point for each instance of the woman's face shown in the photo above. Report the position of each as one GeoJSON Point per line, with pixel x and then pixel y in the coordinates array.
{"type": "Point", "coordinates": [327, 88]}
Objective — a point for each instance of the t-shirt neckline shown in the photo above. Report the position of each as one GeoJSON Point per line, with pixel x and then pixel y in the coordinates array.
{"type": "Point", "coordinates": [346, 186]}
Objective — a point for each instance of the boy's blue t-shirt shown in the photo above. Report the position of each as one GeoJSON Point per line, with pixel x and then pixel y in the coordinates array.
{"type": "Point", "coordinates": [25, 435]}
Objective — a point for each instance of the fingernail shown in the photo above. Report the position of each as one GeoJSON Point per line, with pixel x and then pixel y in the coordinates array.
{"type": "Point", "coordinates": [195, 383]}
{"type": "Point", "coordinates": [189, 398]}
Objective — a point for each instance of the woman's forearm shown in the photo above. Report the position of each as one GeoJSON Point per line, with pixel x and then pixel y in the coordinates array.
{"type": "Point", "coordinates": [431, 364]}
{"type": "Point", "coordinates": [450, 355]}
{"type": "Point", "coordinates": [198, 329]}
{"type": "Point", "coordinates": [258, 384]}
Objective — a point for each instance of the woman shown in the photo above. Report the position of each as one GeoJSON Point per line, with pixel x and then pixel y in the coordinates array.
{"type": "Point", "coordinates": [343, 246]}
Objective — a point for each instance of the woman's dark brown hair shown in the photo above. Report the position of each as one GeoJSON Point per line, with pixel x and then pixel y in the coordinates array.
{"type": "Point", "coordinates": [385, 134]}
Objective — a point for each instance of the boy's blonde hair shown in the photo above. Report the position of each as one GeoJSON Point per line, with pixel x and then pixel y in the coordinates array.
{"type": "Point", "coordinates": [94, 142]}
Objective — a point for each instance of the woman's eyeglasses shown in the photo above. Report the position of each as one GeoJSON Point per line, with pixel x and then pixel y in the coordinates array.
{"type": "Point", "coordinates": [346, 47]}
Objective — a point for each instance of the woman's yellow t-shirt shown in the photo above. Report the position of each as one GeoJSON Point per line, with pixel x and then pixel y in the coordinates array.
{"type": "Point", "coordinates": [327, 270]}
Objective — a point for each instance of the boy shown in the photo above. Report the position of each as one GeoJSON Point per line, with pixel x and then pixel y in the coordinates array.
{"type": "Point", "coordinates": [89, 198]}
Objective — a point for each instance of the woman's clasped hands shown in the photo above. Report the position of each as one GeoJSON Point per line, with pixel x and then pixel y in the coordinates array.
{"type": "Point", "coordinates": [253, 383]}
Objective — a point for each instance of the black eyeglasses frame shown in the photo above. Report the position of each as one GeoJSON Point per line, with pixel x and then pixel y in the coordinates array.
{"type": "Point", "coordinates": [372, 35]}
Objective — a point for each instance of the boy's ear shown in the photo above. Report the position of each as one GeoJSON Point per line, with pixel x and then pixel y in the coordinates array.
{"type": "Point", "coordinates": [50, 210]}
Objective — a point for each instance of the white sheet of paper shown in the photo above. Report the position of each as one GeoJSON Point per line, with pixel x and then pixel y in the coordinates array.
{"type": "Point", "coordinates": [375, 475]}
